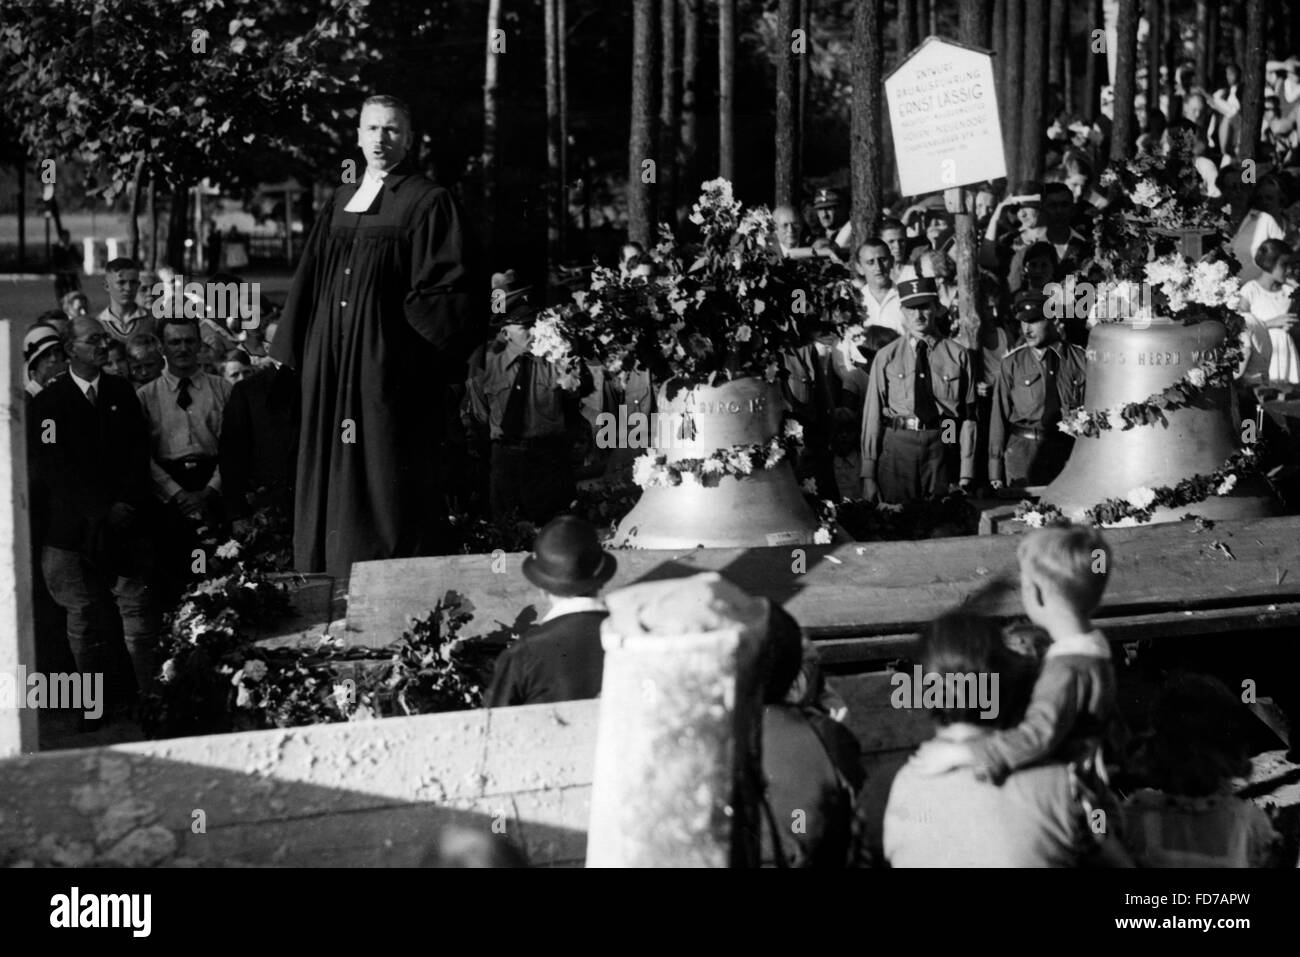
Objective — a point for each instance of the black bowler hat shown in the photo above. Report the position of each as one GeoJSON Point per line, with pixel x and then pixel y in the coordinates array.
{"type": "Point", "coordinates": [918, 291]}
{"type": "Point", "coordinates": [567, 558]}
{"type": "Point", "coordinates": [1030, 307]}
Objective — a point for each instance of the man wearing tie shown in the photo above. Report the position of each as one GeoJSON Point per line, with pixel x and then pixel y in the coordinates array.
{"type": "Point", "coordinates": [1036, 382]}
{"type": "Point", "coordinates": [88, 444]}
{"type": "Point", "coordinates": [918, 430]}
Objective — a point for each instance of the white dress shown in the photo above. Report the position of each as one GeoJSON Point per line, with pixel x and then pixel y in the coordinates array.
{"type": "Point", "coordinates": [1255, 228]}
{"type": "Point", "coordinates": [1261, 305]}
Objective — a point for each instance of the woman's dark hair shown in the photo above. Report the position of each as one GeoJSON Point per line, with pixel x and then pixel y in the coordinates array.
{"type": "Point", "coordinates": [1197, 740]}
{"type": "Point", "coordinates": [1269, 252]}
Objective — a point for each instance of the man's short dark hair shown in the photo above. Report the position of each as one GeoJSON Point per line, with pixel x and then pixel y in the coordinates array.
{"type": "Point", "coordinates": [873, 241]}
{"type": "Point", "coordinates": [392, 103]}
{"type": "Point", "coordinates": [121, 263]}
{"type": "Point", "coordinates": [889, 222]}
{"type": "Point", "coordinates": [174, 320]}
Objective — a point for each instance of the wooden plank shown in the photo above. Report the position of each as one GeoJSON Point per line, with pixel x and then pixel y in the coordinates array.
{"type": "Point", "coordinates": [18, 731]}
{"type": "Point", "coordinates": [886, 589]}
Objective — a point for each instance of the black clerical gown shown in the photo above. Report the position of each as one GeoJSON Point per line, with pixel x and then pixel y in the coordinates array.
{"type": "Point", "coordinates": [378, 317]}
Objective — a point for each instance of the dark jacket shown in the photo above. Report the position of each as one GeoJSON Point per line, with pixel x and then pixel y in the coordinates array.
{"type": "Point", "coordinates": [259, 438]}
{"type": "Point", "coordinates": [84, 460]}
{"type": "Point", "coordinates": [558, 660]}
{"type": "Point", "coordinates": [813, 767]}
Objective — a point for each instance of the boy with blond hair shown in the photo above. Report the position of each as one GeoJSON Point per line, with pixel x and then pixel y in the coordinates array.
{"type": "Point", "coordinates": [1063, 573]}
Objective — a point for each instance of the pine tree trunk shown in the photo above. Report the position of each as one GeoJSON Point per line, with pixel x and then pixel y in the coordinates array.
{"type": "Point", "coordinates": [727, 89]}
{"type": "Point", "coordinates": [554, 204]}
{"type": "Point", "coordinates": [490, 119]}
{"type": "Point", "coordinates": [133, 226]}
{"type": "Point", "coordinates": [1252, 82]}
{"type": "Point", "coordinates": [865, 158]}
{"type": "Point", "coordinates": [1203, 43]}
{"type": "Point", "coordinates": [999, 45]}
{"type": "Point", "coordinates": [1123, 132]}
{"type": "Point", "coordinates": [908, 28]}
{"type": "Point", "coordinates": [1095, 68]}
{"type": "Point", "coordinates": [562, 44]}
{"type": "Point", "coordinates": [690, 179]}
{"type": "Point", "coordinates": [1015, 84]}
{"type": "Point", "coordinates": [1058, 27]}
{"type": "Point", "coordinates": [1212, 46]}
{"type": "Point", "coordinates": [640, 200]}
{"type": "Point", "coordinates": [1155, 20]}
{"type": "Point", "coordinates": [669, 113]}
{"type": "Point", "coordinates": [974, 22]}
{"type": "Point", "coordinates": [801, 101]}
{"type": "Point", "coordinates": [785, 185]}
{"type": "Point", "coordinates": [1034, 104]}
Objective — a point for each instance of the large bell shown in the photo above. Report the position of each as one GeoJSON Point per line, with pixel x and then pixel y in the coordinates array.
{"type": "Point", "coordinates": [1127, 362]}
{"type": "Point", "coordinates": [764, 507]}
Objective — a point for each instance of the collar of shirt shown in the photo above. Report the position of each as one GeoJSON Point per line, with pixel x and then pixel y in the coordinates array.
{"type": "Point", "coordinates": [1090, 645]}
{"type": "Point", "coordinates": [930, 341]}
{"type": "Point", "coordinates": [109, 316]}
{"type": "Point", "coordinates": [891, 291]}
{"type": "Point", "coordinates": [573, 606]}
{"type": "Point", "coordinates": [1040, 351]}
{"type": "Point", "coordinates": [83, 384]}
{"type": "Point", "coordinates": [173, 381]}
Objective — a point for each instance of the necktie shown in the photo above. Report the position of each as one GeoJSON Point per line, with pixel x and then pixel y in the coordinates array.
{"type": "Point", "coordinates": [1051, 394]}
{"type": "Point", "coordinates": [91, 397]}
{"type": "Point", "coordinates": [512, 420]}
{"type": "Point", "coordinates": [923, 405]}
{"type": "Point", "coordinates": [183, 394]}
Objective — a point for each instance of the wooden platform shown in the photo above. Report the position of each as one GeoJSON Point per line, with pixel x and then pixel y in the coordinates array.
{"type": "Point", "coordinates": [865, 603]}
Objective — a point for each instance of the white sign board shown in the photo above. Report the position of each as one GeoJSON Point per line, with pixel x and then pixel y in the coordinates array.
{"type": "Point", "coordinates": [943, 108]}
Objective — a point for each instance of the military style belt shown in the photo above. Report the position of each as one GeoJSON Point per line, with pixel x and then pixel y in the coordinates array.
{"type": "Point", "coordinates": [913, 424]}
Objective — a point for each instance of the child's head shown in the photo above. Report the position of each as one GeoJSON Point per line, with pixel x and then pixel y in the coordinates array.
{"type": "Point", "coordinates": [117, 364]}
{"type": "Point", "coordinates": [1062, 570]}
{"type": "Point", "coordinates": [1197, 740]}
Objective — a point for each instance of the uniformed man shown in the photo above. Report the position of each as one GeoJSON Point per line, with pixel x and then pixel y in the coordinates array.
{"type": "Point", "coordinates": [1036, 383]}
{"type": "Point", "coordinates": [918, 433]}
{"type": "Point", "coordinates": [833, 233]}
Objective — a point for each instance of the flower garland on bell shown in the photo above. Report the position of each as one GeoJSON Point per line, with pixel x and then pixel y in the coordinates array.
{"type": "Point", "coordinates": [653, 470]}
{"type": "Point", "coordinates": [1197, 292]}
{"type": "Point", "coordinates": [1141, 503]}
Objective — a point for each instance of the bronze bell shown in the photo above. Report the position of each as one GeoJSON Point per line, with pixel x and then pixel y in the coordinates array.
{"type": "Point", "coordinates": [1127, 362]}
{"type": "Point", "coordinates": [764, 507]}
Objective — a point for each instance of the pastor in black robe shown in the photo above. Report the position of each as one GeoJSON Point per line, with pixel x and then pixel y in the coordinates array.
{"type": "Point", "coordinates": [377, 322]}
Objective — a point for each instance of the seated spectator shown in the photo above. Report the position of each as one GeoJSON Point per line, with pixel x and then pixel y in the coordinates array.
{"type": "Point", "coordinates": [144, 358]}
{"type": "Point", "coordinates": [1267, 300]}
{"type": "Point", "coordinates": [44, 357]}
{"type": "Point", "coordinates": [1035, 818]}
{"type": "Point", "coordinates": [1189, 816]}
{"type": "Point", "coordinates": [811, 762]}
{"type": "Point", "coordinates": [560, 658]}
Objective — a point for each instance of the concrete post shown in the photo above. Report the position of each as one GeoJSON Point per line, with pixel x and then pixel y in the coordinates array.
{"type": "Point", "coordinates": [678, 772]}
{"type": "Point", "coordinates": [17, 632]}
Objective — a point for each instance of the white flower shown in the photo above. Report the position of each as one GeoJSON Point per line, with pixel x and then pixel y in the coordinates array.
{"type": "Point", "coordinates": [793, 430]}
{"type": "Point", "coordinates": [822, 536]}
{"type": "Point", "coordinates": [809, 486]}
{"type": "Point", "coordinates": [1196, 378]}
{"type": "Point", "coordinates": [1141, 497]}
{"type": "Point", "coordinates": [243, 699]}
{"type": "Point", "coordinates": [712, 466]}
{"type": "Point", "coordinates": [363, 713]}
{"type": "Point", "coordinates": [643, 471]}
{"type": "Point", "coordinates": [254, 670]}
{"type": "Point", "coordinates": [229, 550]}
{"type": "Point", "coordinates": [744, 333]}
{"type": "Point", "coordinates": [1116, 418]}
{"type": "Point", "coordinates": [1034, 519]}
{"type": "Point", "coordinates": [1226, 485]}
{"type": "Point", "coordinates": [1147, 193]}
{"type": "Point", "coordinates": [168, 670]}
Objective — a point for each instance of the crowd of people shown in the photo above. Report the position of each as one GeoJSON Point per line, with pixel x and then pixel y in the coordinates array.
{"type": "Point", "coordinates": [1054, 775]}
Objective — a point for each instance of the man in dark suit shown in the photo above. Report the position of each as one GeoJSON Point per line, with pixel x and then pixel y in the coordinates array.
{"type": "Point", "coordinates": [561, 658]}
{"type": "Point", "coordinates": [88, 445]}
{"type": "Point", "coordinates": [259, 442]}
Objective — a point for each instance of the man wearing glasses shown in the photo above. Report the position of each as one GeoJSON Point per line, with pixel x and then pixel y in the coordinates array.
{"type": "Point", "coordinates": [88, 448]}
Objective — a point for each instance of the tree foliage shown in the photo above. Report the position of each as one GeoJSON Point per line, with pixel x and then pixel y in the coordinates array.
{"type": "Point", "coordinates": [199, 88]}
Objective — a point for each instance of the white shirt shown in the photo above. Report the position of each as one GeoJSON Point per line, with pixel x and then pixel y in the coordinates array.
{"type": "Point", "coordinates": [85, 385]}
{"type": "Point", "coordinates": [365, 195]}
{"type": "Point", "coordinates": [887, 311]}
{"type": "Point", "coordinates": [572, 606]}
